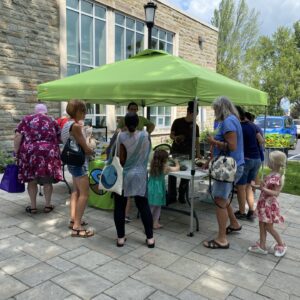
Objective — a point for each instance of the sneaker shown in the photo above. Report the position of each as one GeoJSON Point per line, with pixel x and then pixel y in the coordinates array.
{"type": "Point", "coordinates": [257, 249]}
{"type": "Point", "coordinates": [250, 215]}
{"type": "Point", "coordinates": [127, 219]}
{"type": "Point", "coordinates": [240, 216]}
{"type": "Point", "coordinates": [280, 251]}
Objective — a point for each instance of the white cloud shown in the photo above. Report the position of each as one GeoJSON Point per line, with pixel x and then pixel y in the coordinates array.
{"type": "Point", "coordinates": [273, 13]}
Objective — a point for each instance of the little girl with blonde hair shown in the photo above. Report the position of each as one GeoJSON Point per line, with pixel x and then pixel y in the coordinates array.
{"type": "Point", "coordinates": [268, 207]}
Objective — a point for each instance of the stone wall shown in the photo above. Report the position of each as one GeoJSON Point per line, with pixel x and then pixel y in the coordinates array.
{"type": "Point", "coordinates": [31, 52]}
{"type": "Point", "coordinates": [29, 38]}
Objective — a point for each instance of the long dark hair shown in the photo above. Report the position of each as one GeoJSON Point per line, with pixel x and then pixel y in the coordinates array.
{"type": "Point", "coordinates": [158, 162]}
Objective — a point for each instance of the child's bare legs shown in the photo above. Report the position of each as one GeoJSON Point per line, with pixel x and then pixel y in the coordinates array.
{"type": "Point", "coordinates": [274, 233]}
{"type": "Point", "coordinates": [155, 210]}
{"type": "Point", "coordinates": [262, 235]}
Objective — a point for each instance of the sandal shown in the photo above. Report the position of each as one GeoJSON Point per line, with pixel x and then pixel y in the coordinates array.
{"type": "Point", "coordinates": [231, 229]}
{"type": "Point", "coordinates": [212, 244]}
{"type": "Point", "coordinates": [257, 249]}
{"type": "Point", "coordinates": [31, 210]}
{"type": "Point", "coordinates": [48, 209]}
{"type": "Point", "coordinates": [83, 223]}
{"type": "Point", "coordinates": [82, 233]}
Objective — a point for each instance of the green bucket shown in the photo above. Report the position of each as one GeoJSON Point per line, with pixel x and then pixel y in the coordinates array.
{"type": "Point", "coordinates": [98, 198]}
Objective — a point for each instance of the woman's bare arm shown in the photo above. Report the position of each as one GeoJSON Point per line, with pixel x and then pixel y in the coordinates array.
{"type": "Point", "coordinates": [77, 134]}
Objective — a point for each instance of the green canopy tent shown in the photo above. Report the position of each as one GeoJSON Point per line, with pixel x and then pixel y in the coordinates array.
{"type": "Point", "coordinates": [152, 78]}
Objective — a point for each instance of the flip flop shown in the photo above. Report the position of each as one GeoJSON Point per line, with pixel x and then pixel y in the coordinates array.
{"type": "Point", "coordinates": [48, 209]}
{"type": "Point", "coordinates": [230, 229]}
{"type": "Point", "coordinates": [212, 244]}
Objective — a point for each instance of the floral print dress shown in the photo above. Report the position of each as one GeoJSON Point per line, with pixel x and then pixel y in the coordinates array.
{"type": "Point", "coordinates": [267, 208]}
{"type": "Point", "coordinates": [39, 154]}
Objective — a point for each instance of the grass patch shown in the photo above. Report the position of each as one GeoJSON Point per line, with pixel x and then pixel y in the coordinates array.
{"type": "Point", "coordinates": [292, 178]}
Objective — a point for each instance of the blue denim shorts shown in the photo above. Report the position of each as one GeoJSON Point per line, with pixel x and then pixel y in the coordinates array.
{"type": "Point", "coordinates": [78, 171]}
{"type": "Point", "coordinates": [250, 171]}
{"type": "Point", "coordinates": [223, 189]}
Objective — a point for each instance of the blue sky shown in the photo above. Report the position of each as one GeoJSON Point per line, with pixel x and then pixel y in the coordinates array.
{"type": "Point", "coordinates": [273, 13]}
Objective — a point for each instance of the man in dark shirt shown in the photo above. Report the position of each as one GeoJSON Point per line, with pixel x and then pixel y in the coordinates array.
{"type": "Point", "coordinates": [182, 136]}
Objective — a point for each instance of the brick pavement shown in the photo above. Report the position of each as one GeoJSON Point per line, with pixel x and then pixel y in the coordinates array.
{"type": "Point", "coordinates": [39, 259]}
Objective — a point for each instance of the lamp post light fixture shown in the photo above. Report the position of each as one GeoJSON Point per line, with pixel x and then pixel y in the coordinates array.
{"type": "Point", "coordinates": [150, 9]}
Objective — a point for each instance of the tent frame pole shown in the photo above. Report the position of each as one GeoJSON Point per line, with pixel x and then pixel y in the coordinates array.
{"type": "Point", "coordinates": [191, 233]}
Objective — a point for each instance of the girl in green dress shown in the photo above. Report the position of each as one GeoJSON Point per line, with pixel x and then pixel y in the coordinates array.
{"type": "Point", "coordinates": [156, 183]}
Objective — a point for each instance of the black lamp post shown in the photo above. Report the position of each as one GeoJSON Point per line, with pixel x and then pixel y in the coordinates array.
{"type": "Point", "coordinates": [150, 9]}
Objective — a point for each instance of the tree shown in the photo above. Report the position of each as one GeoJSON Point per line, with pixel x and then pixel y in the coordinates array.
{"type": "Point", "coordinates": [238, 30]}
{"type": "Point", "coordinates": [273, 65]}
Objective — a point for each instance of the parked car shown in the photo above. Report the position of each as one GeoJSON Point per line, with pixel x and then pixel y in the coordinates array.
{"type": "Point", "coordinates": [282, 125]}
{"type": "Point", "coordinates": [297, 123]}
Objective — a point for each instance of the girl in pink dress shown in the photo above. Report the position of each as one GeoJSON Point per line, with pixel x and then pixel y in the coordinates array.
{"type": "Point", "coordinates": [267, 207]}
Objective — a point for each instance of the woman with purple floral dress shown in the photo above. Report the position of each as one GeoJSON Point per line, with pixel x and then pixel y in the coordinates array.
{"type": "Point", "coordinates": [38, 156]}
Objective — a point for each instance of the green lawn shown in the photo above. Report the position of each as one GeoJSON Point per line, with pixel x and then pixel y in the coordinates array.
{"type": "Point", "coordinates": [292, 178]}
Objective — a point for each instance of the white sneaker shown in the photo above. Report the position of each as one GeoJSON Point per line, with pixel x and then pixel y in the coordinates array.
{"type": "Point", "coordinates": [280, 251]}
{"type": "Point", "coordinates": [257, 249]}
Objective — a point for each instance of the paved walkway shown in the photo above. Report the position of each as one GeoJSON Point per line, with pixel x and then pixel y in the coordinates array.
{"type": "Point", "coordinates": [39, 259]}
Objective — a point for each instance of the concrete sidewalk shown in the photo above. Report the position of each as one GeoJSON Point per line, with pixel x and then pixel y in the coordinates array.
{"type": "Point", "coordinates": [39, 259]}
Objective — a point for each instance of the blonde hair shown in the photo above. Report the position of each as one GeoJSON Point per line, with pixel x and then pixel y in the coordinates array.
{"type": "Point", "coordinates": [223, 108]}
{"type": "Point", "coordinates": [277, 160]}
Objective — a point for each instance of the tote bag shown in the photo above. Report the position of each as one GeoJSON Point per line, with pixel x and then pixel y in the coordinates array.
{"type": "Point", "coordinates": [10, 182]}
{"type": "Point", "coordinates": [111, 179]}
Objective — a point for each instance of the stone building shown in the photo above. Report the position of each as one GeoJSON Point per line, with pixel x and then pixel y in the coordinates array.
{"type": "Point", "coordinates": [43, 40]}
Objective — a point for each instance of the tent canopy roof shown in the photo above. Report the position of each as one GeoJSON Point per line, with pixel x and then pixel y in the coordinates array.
{"type": "Point", "coordinates": [151, 78]}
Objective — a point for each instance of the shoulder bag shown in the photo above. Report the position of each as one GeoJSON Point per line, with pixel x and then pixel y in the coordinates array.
{"type": "Point", "coordinates": [111, 178]}
{"type": "Point", "coordinates": [72, 153]}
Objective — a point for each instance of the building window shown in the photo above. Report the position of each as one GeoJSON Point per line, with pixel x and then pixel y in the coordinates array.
{"type": "Point", "coordinates": [129, 37]}
{"type": "Point", "coordinates": [120, 112]}
{"type": "Point", "coordinates": [162, 40]}
{"type": "Point", "coordinates": [160, 116]}
{"type": "Point", "coordinates": [86, 36]}
{"type": "Point", "coordinates": [96, 115]}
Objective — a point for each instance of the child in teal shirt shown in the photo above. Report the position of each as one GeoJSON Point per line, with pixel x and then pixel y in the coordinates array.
{"type": "Point", "coordinates": [156, 183]}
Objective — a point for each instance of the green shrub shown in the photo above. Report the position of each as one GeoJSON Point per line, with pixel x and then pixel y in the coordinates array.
{"type": "Point", "coordinates": [5, 159]}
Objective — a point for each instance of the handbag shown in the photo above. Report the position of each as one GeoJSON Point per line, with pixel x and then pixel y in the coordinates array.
{"type": "Point", "coordinates": [10, 182]}
{"type": "Point", "coordinates": [222, 168]}
{"type": "Point", "coordinates": [111, 178]}
{"type": "Point", "coordinates": [72, 153]}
